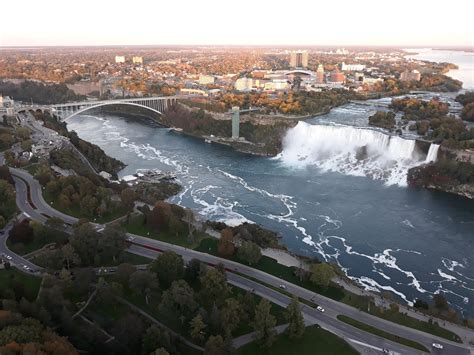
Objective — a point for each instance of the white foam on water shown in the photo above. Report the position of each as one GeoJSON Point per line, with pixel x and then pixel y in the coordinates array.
{"type": "Point", "coordinates": [352, 151]}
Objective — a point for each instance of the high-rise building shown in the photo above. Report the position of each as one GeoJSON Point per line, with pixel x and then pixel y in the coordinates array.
{"type": "Point", "coordinates": [137, 60]}
{"type": "Point", "coordinates": [119, 59]}
{"type": "Point", "coordinates": [320, 74]}
{"type": "Point", "coordinates": [299, 59]}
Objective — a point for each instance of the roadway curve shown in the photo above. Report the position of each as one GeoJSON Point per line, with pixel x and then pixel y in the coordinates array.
{"type": "Point", "coordinates": [150, 248]}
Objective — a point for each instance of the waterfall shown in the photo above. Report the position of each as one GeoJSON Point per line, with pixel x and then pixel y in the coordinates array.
{"type": "Point", "coordinates": [353, 151]}
{"type": "Point", "coordinates": [432, 153]}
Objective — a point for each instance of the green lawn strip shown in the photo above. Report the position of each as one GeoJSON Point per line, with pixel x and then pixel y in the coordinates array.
{"type": "Point", "coordinates": [381, 333]}
{"type": "Point", "coordinates": [14, 279]}
{"type": "Point", "coordinates": [75, 211]}
{"type": "Point", "coordinates": [314, 341]}
{"type": "Point", "coordinates": [411, 322]}
{"type": "Point", "coordinates": [136, 226]}
{"type": "Point", "coordinates": [272, 267]}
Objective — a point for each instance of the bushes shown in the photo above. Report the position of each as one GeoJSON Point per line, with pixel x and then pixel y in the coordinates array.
{"type": "Point", "coordinates": [383, 119]}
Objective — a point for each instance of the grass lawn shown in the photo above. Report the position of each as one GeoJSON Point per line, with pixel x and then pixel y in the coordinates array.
{"type": "Point", "coordinates": [381, 333]}
{"type": "Point", "coordinates": [136, 226]}
{"type": "Point", "coordinates": [10, 278]}
{"type": "Point", "coordinates": [314, 341]}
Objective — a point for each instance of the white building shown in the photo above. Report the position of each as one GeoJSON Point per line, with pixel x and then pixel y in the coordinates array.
{"type": "Point", "coordinates": [6, 106]}
{"type": "Point", "coordinates": [243, 84]}
{"type": "Point", "coordinates": [135, 60]}
{"type": "Point", "coordinates": [119, 59]}
{"type": "Point", "coordinates": [206, 79]}
{"type": "Point", "coordinates": [276, 85]}
{"type": "Point", "coordinates": [352, 67]}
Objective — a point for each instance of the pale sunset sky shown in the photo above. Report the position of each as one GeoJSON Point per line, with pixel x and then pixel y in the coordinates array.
{"type": "Point", "coordinates": [242, 22]}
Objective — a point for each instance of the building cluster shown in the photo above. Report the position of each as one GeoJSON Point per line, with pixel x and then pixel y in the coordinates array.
{"type": "Point", "coordinates": [120, 59]}
{"type": "Point", "coordinates": [6, 106]}
{"type": "Point", "coordinates": [413, 75]}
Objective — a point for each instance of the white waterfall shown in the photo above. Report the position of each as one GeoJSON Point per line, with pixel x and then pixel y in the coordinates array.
{"type": "Point", "coordinates": [432, 153]}
{"type": "Point", "coordinates": [353, 151]}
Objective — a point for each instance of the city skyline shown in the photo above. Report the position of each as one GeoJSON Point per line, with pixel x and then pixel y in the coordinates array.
{"type": "Point", "coordinates": [248, 23]}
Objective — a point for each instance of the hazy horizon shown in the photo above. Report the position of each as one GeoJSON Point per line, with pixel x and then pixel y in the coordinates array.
{"type": "Point", "coordinates": [247, 23]}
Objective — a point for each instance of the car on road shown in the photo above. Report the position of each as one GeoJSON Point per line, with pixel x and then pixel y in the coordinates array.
{"type": "Point", "coordinates": [385, 351]}
{"type": "Point", "coordinates": [130, 238]}
{"type": "Point", "coordinates": [321, 309]}
{"type": "Point", "coordinates": [7, 256]}
{"type": "Point", "coordinates": [437, 346]}
{"type": "Point", "coordinates": [25, 267]}
{"type": "Point", "coordinates": [283, 287]}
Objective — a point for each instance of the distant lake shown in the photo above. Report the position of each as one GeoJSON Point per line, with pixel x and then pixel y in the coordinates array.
{"type": "Point", "coordinates": [464, 60]}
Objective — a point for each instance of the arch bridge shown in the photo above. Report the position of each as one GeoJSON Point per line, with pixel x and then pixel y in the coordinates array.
{"type": "Point", "coordinates": [155, 104]}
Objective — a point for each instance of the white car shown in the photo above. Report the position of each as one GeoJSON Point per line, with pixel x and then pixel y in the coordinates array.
{"type": "Point", "coordinates": [437, 346]}
{"type": "Point", "coordinates": [8, 257]}
{"type": "Point", "coordinates": [321, 309]}
{"type": "Point", "coordinates": [283, 287]}
{"type": "Point", "coordinates": [130, 238]}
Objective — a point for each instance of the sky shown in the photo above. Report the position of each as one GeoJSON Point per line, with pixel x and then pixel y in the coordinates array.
{"type": "Point", "coordinates": [241, 22]}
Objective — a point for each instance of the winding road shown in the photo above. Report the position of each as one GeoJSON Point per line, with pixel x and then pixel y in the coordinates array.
{"type": "Point", "coordinates": [30, 200]}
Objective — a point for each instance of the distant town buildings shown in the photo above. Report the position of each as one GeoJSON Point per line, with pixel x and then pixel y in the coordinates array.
{"type": "Point", "coordinates": [6, 106]}
{"type": "Point", "coordinates": [352, 67]}
{"type": "Point", "coordinates": [243, 84]}
{"type": "Point", "coordinates": [320, 74]}
{"type": "Point", "coordinates": [337, 77]}
{"type": "Point", "coordinates": [413, 75]}
{"type": "Point", "coordinates": [119, 59]}
{"type": "Point", "coordinates": [299, 59]}
{"type": "Point", "coordinates": [206, 79]}
{"type": "Point", "coordinates": [135, 60]}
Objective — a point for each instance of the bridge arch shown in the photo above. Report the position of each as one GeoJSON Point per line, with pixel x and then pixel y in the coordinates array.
{"type": "Point", "coordinates": [82, 110]}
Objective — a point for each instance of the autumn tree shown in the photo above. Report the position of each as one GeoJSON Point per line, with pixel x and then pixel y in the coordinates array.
{"type": "Point", "coordinates": [225, 245]}
{"type": "Point", "coordinates": [321, 274]}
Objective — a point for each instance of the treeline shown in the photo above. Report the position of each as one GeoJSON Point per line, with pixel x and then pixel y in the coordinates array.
{"type": "Point", "coordinates": [382, 119]}
{"type": "Point", "coordinates": [38, 92]}
{"type": "Point", "coordinates": [268, 137]}
{"type": "Point", "coordinates": [443, 174]}
{"type": "Point", "coordinates": [467, 100]}
{"type": "Point", "coordinates": [292, 102]}
{"type": "Point", "coordinates": [433, 122]}
{"type": "Point", "coordinates": [94, 154]}
{"type": "Point", "coordinates": [7, 196]}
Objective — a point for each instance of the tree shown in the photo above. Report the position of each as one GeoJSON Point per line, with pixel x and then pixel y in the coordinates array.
{"type": "Point", "coordinates": [112, 242]}
{"type": "Point", "coordinates": [214, 287]}
{"type": "Point", "coordinates": [197, 326]}
{"type": "Point", "coordinates": [296, 326]}
{"type": "Point", "coordinates": [155, 338]}
{"type": "Point", "coordinates": [143, 283]}
{"type": "Point", "coordinates": [123, 273]}
{"type": "Point", "coordinates": [84, 241]}
{"type": "Point", "coordinates": [70, 256]}
{"type": "Point", "coordinates": [321, 274]}
{"type": "Point", "coordinates": [169, 267]}
{"type": "Point", "coordinates": [264, 324]}
{"type": "Point", "coordinates": [177, 303]}
{"type": "Point", "coordinates": [230, 316]}
{"type": "Point", "coordinates": [128, 197]}
{"type": "Point", "coordinates": [216, 345]}
{"type": "Point", "coordinates": [88, 205]}
{"type": "Point", "coordinates": [249, 252]}
{"type": "Point", "coordinates": [225, 245]}
{"type": "Point", "coordinates": [22, 233]}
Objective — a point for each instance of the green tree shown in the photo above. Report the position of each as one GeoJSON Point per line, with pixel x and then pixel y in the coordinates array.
{"type": "Point", "coordinates": [178, 303]}
{"type": "Point", "coordinates": [70, 256]}
{"type": "Point", "coordinates": [216, 345]}
{"type": "Point", "coordinates": [143, 283]}
{"type": "Point", "coordinates": [112, 242]}
{"type": "Point", "coordinates": [296, 326]}
{"type": "Point", "coordinates": [84, 241]}
{"type": "Point", "coordinates": [249, 252]}
{"type": "Point", "coordinates": [169, 267]}
{"type": "Point", "coordinates": [321, 274]}
{"type": "Point", "coordinates": [128, 197]}
{"type": "Point", "coordinates": [264, 324]}
{"type": "Point", "coordinates": [197, 326]}
{"type": "Point", "coordinates": [123, 273]}
{"type": "Point", "coordinates": [214, 287]}
{"type": "Point", "coordinates": [230, 316]}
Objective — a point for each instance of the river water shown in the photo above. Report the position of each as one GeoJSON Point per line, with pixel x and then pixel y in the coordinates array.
{"type": "Point", "coordinates": [326, 198]}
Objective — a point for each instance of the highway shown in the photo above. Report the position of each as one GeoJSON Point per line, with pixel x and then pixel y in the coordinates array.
{"type": "Point", "coordinates": [150, 247]}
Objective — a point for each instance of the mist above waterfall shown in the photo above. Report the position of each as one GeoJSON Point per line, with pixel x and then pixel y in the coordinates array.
{"type": "Point", "coordinates": [352, 151]}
